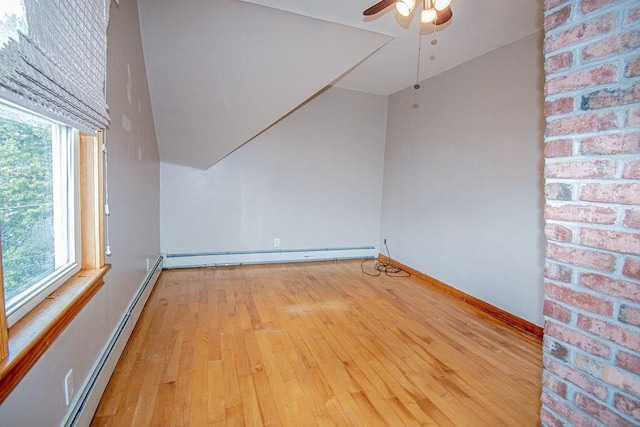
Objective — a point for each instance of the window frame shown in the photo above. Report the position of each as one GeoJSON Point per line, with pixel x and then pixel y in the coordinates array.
{"type": "Point", "coordinates": [23, 343]}
{"type": "Point", "coordinates": [67, 216]}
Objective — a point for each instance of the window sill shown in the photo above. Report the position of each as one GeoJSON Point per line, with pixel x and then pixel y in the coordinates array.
{"type": "Point", "coordinates": [32, 335]}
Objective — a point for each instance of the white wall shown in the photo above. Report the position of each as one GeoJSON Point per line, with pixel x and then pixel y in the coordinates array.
{"type": "Point", "coordinates": [133, 161]}
{"type": "Point", "coordinates": [463, 191]}
{"type": "Point", "coordinates": [313, 180]}
{"type": "Point", "coordinates": [134, 232]}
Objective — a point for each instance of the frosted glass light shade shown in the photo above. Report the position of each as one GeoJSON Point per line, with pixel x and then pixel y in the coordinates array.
{"type": "Point", "coordinates": [441, 4]}
{"type": "Point", "coordinates": [428, 15]}
{"type": "Point", "coordinates": [404, 7]}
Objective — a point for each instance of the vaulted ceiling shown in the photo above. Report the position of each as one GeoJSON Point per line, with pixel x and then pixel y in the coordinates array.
{"type": "Point", "coordinates": [221, 72]}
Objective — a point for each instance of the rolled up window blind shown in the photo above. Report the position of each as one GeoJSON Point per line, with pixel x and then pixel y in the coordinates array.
{"type": "Point", "coordinates": [53, 59]}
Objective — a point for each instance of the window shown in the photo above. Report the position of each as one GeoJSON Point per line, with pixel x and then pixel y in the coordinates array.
{"type": "Point", "coordinates": [51, 211]}
{"type": "Point", "coordinates": [38, 207]}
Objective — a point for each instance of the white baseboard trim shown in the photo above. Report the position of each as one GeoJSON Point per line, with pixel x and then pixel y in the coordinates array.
{"type": "Point", "coordinates": [216, 259]}
{"type": "Point", "coordinates": [84, 406]}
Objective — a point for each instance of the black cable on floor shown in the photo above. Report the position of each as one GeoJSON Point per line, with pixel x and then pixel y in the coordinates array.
{"type": "Point", "coordinates": [387, 268]}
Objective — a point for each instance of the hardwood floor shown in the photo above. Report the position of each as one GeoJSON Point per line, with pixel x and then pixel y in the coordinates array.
{"type": "Point", "coordinates": [318, 344]}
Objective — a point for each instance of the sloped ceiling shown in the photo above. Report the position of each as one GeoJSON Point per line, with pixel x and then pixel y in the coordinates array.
{"type": "Point", "coordinates": [222, 71]}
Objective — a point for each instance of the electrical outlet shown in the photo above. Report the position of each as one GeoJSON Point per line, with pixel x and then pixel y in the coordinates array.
{"type": "Point", "coordinates": [68, 387]}
{"type": "Point", "coordinates": [276, 242]}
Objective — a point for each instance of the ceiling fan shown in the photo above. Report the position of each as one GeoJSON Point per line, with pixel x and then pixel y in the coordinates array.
{"type": "Point", "coordinates": [437, 12]}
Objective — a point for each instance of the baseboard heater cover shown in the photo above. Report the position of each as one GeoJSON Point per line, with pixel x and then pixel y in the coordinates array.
{"type": "Point", "coordinates": [86, 402]}
{"type": "Point", "coordinates": [216, 259]}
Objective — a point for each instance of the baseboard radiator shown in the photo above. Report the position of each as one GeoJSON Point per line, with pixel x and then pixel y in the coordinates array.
{"type": "Point", "coordinates": [86, 402]}
{"type": "Point", "coordinates": [216, 259]}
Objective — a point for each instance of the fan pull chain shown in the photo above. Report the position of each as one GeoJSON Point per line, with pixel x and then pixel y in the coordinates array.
{"type": "Point", "coordinates": [434, 40]}
{"type": "Point", "coordinates": [417, 85]}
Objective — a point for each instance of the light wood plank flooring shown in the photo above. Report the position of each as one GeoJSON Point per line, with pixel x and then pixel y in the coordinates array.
{"type": "Point", "coordinates": [318, 344]}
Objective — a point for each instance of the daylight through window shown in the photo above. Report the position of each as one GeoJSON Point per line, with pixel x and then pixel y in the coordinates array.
{"type": "Point", "coordinates": [38, 166]}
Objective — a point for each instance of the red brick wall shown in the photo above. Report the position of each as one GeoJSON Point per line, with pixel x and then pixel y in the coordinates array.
{"type": "Point", "coordinates": [592, 186]}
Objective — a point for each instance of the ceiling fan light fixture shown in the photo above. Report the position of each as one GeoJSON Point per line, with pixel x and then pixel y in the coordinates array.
{"type": "Point", "coordinates": [404, 7]}
{"type": "Point", "coordinates": [441, 4]}
{"type": "Point", "coordinates": [428, 15]}
{"type": "Point", "coordinates": [443, 16]}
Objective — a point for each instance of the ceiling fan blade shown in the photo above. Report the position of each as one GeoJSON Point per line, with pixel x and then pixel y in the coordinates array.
{"type": "Point", "coordinates": [378, 7]}
{"type": "Point", "coordinates": [444, 16]}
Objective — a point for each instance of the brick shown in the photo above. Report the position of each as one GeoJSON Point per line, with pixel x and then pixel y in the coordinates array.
{"type": "Point", "coordinates": [582, 123]}
{"type": "Point", "coordinates": [609, 331]}
{"type": "Point", "coordinates": [577, 339]}
{"type": "Point", "coordinates": [631, 268]}
{"type": "Point", "coordinates": [558, 233]}
{"type": "Point", "coordinates": [556, 311]}
{"type": "Point", "coordinates": [600, 412]}
{"type": "Point", "coordinates": [560, 62]}
{"type": "Point", "coordinates": [631, 170]}
{"type": "Point", "coordinates": [608, 374]}
{"type": "Point", "coordinates": [588, 6]}
{"type": "Point", "coordinates": [581, 257]}
{"type": "Point", "coordinates": [578, 55]}
{"type": "Point", "coordinates": [581, 169]}
{"type": "Point", "coordinates": [629, 315]}
{"type": "Point", "coordinates": [625, 194]}
{"type": "Point", "coordinates": [581, 213]}
{"type": "Point", "coordinates": [631, 218]}
{"type": "Point", "coordinates": [580, 33]}
{"type": "Point", "coordinates": [633, 15]}
{"type": "Point", "coordinates": [582, 79]}
{"type": "Point", "coordinates": [627, 406]}
{"type": "Point", "coordinates": [623, 380]}
{"type": "Point", "coordinates": [610, 286]}
{"type": "Point", "coordinates": [633, 117]}
{"type": "Point", "coordinates": [611, 144]}
{"type": "Point", "coordinates": [628, 361]}
{"type": "Point", "coordinates": [559, 272]}
{"type": "Point", "coordinates": [585, 301]}
{"type": "Point", "coordinates": [616, 44]}
{"type": "Point", "coordinates": [605, 98]}
{"type": "Point", "coordinates": [550, 4]}
{"type": "Point", "coordinates": [558, 148]}
{"type": "Point", "coordinates": [548, 420]}
{"type": "Point", "coordinates": [589, 365]}
{"type": "Point", "coordinates": [557, 18]}
{"type": "Point", "coordinates": [558, 191]}
{"type": "Point", "coordinates": [569, 374]}
{"type": "Point", "coordinates": [555, 349]}
{"type": "Point", "coordinates": [559, 106]}
{"type": "Point", "coordinates": [633, 67]}
{"type": "Point", "coordinates": [569, 413]}
{"type": "Point", "coordinates": [554, 384]}
{"type": "Point", "coordinates": [628, 243]}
